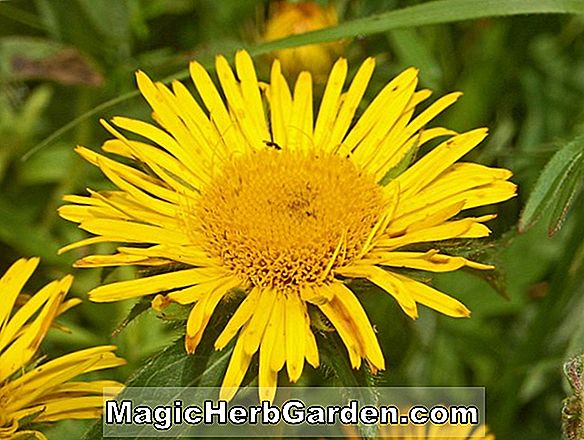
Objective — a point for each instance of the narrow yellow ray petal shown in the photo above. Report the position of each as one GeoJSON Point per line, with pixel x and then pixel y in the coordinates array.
{"type": "Point", "coordinates": [162, 102]}
{"type": "Point", "coordinates": [361, 324]}
{"type": "Point", "coordinates": [242, 315]}
{"type": "Point", "coordinates": [257, 324]}
{"type": "Point", "coordinates": [427, 115]}
{"type": "Point", "coordinates": [382, 279]}
{"type": "Point", "coordinates": [11, 285]}
{"type": "Point", "coordinates": [456, 180]}
{"type": "Point", "coordinates": [237, 106]}
{"type": "Point", "coordinates": [238, 365]}
{"type": "Point", "coordinates": [351, 102]}
{"type": "Point", "coordinates": [329, 106]}
{"type": "Point", "coordinates": [132, 232]}
{"type": "Point", "coordinates": [316, 295]}
{"type": "Point", "coordinates": [188, 254]}
{"type": "Point", "coordinates": [251, 92]}
{"type": "Point", "coordinates": [151, 285]}
{"type": "Point", "coordinates": [346, 331]}
{"type": "Point", "coordinates": [194, 293]}
{"type": "Point", "coordinates": [95, 387]}
{"type": "Point", "coordinates": [119, 260]}
{"type": "Point", "coordinates": [431, 261]}
{"type": "Point", "coordinates": [295, 337]}
{"type": "Point", "coordinates": [198, 123]}
{"type": "Point", "coordinates": [372, 127]}
{"type": "Point", "coordinates": [160, 137]}
{"type": "Point", "coordinates": [426, 218]}
{"type": "Point", "coordinates": [79, 213]}
{"type": "Point", "coordinates": [278, 355]}
{"type": "Point", "coordinates": [465, 228]}
{"type": "Point", "coordinates": [267, 376]}
{"type": "Point", "coordinates": [311, 351]}
{"type": "Point", "coordinates": [214, 103]}
{"type": "Point", "coordinates": [131, 175]}
{"type": "Point", "coordinates": [64, 368]}
{"type": "Point", "coordinates": [435, 162]}
{"type": "Point", "coordinates": [386, 161]}
{"type": "Point", "coordinates": [280, 106]}
{"type": "Point", "coordinates": [431, 297]}
{"type": "Point", "coordinates": [20, 351]}
{"type": "Point", "coordinates": [53, 291]}
{"type": "Point", "coordinates": [83, 243]}
{"type": "Point", "coordinates": [300, 128]}
{"type": "Point", "coordinates": [71, 408]}
{"type": "Point", "coordinates": [202, 311]}
{"type": "Point", "coordinates": [167, 168]}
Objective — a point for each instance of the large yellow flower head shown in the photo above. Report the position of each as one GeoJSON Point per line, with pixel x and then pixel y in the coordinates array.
{"type": "Point", "coordinates": [285, 206]}
{"type": "Point", "coordinates": [39, 393]}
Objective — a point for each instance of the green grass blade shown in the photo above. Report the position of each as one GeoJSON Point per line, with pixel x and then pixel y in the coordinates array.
{"type": "Point", "coordinates": [436, 12]}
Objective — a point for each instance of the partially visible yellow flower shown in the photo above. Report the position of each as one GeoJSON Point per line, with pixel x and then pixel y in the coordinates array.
{"type": "Point", "coordinates": [287, 205]}
{"type": "Point", "coordinates": [43, 392]}
{"type": "Point", "coordinates": [434, 432]}
{"type": "Point", "coordinates": [287, 19]}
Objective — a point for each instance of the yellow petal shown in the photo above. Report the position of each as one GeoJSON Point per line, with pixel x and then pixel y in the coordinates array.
{"type": "Point", "coordinates": [11, 285]}
{"type": "Point", "coordinates": [238, 365]}
{"type": "Point", "coordinates": [360, 322]}
{"type": "Point", "coordinates": [242, 315]}
{"type": "Point", "coordinates": [151, 285]}
{"type": "Point", "coordinates": [295, 336]}
{"type": "Point", "coordinates": [384, 280]}
{"type": "Point", "coordinates": [351, 102]}
{"type": "Point", "coordinates": [330, 104]}
{"type": "Point", "coordinates": [257, 323]}
{"type": "Point", "coordinates": [431, 297]}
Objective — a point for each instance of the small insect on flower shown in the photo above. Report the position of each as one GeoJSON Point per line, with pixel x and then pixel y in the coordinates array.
{"type": "Point", "coordinates": [273, 145]}
{"type": "Point", "coordinates": [289, 225]}
{"type": "Point", "coordinates": [32, 392]}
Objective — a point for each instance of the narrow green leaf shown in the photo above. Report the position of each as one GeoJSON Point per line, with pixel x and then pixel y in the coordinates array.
{"type": "Point", "coordinates": [557, 174]}
{"type": "Point", "coordinates": [435, 12]}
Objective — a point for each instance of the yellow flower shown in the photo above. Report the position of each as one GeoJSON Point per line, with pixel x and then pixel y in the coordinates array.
{"type": "Point", "coordinates": [287, 19]}
{"type": "Point", "coordinates": [430, 431]}
{"type": "Point", "coordinates": [284, 207]}
{"type": "Point", "coordinates": [43, 392]}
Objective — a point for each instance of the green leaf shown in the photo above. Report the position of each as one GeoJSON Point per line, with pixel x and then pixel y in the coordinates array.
{"type": "Point", "coordinates": [556, 186]}
{"type": "Point", "coordinates": [436, 12]}
{"type": "Point", "coordinates": [172, 367]}
{"type": "Point", "coordinates": [137, 309]}
{"type": "Point", "coordinates": [567, 194]}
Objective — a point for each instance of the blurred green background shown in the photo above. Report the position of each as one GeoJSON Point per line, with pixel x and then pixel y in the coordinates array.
{"type": "Point", "coordinates": [522, 76]}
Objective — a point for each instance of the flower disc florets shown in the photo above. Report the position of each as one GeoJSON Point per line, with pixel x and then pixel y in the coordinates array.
{"type": "Point", "coordinates": [283, 219]}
